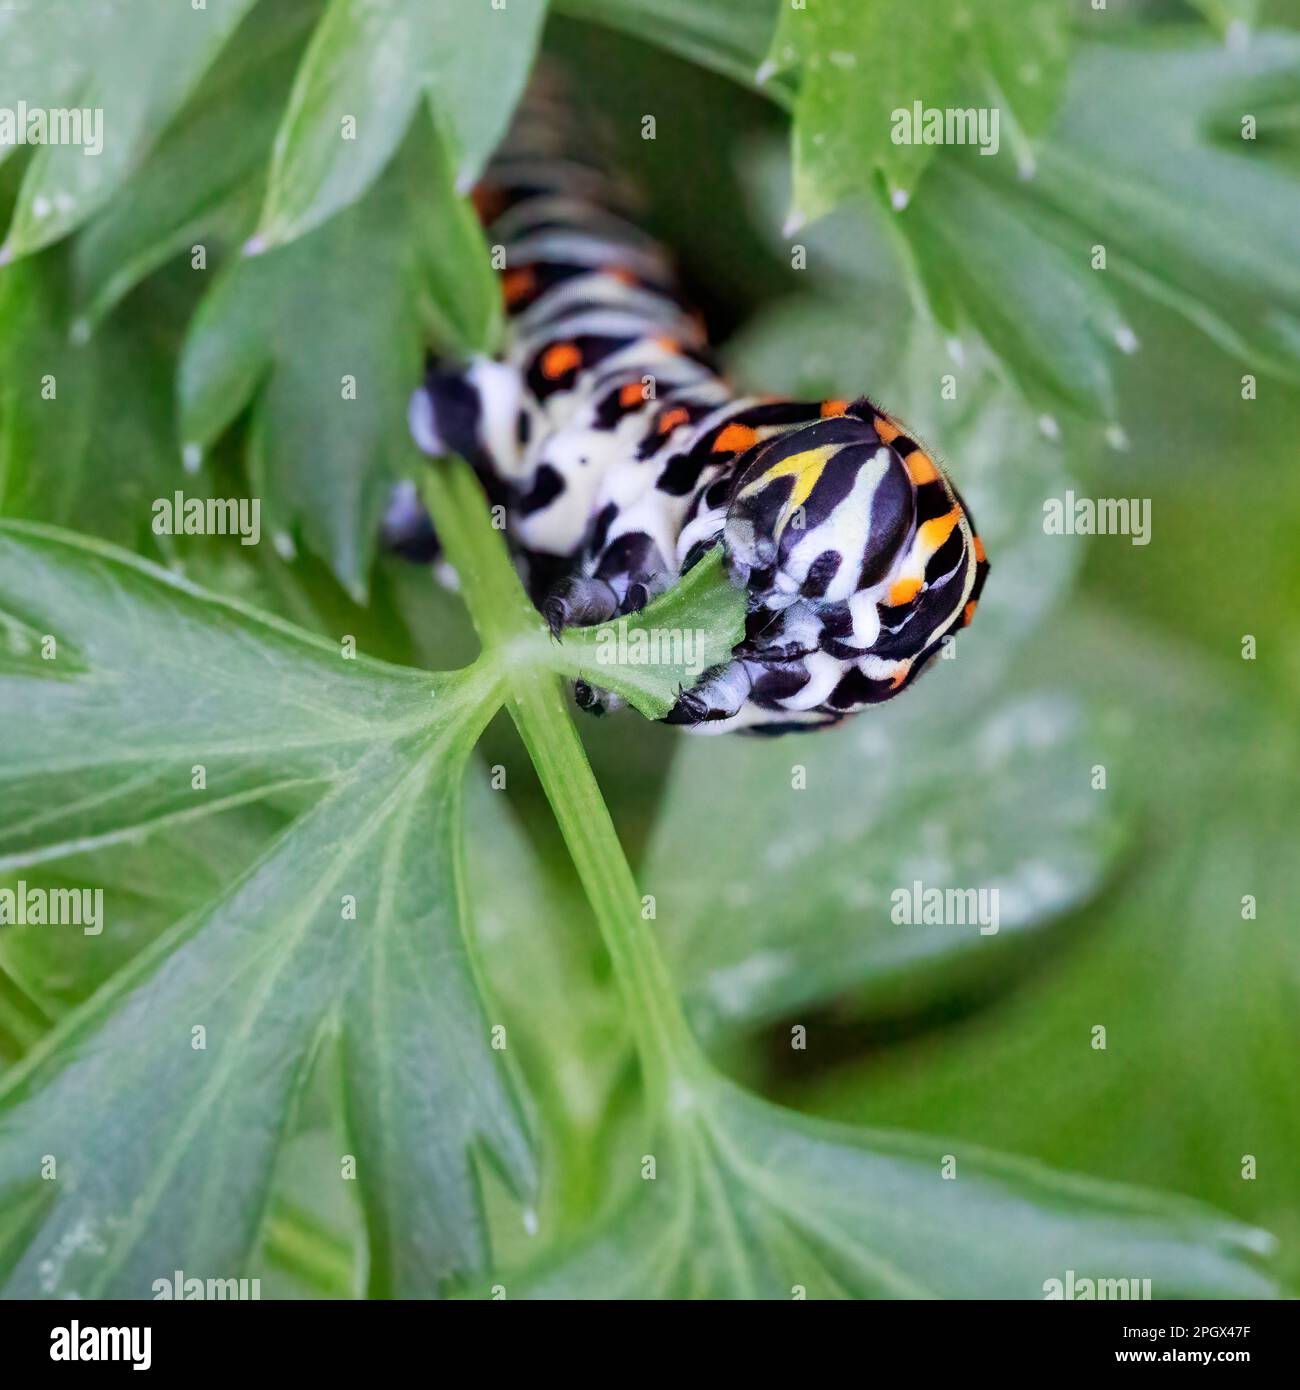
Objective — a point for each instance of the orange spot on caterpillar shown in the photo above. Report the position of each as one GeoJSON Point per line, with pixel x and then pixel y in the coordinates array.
{"type": "Point", "coordinates": [887, 430]}
{"type": "Point", "coordinates": [933, 533]}
{"type": "Point", "coordinates": [903, 591]}
{"type": "Point", "coordinates": [830, 408]}
{"type": "Point", "coordinates": [558, 359]}
{"type": "Point", "coordinates": [621, 273]}
{"type": "Point", "coordinates": [900, 675]}
{"type": "Point", "coordinates": [670, 419]}
{"type": "Point", "coordinates": [630, 395]}
{"type": "Point", "coordinates": [668, 344]}
{"type": "Point", "coordinates": [735, 439]}
{"type": "Point", "coordinates": [980, 556]}
{"type": "Point", "coordinates": [517, 284]}
{"type": "Point", "coordinates": [487, 202]}
{"type": "Point", "coordinates": [920, 468]}
{"type": "Point", "coordinates": [968, 612]}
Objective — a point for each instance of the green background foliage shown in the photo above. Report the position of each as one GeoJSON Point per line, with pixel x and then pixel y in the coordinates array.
{"type": "Point", "coordinates": [327, 259]}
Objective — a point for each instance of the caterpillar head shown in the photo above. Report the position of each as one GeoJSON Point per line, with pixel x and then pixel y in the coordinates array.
{"type": "Point", "coordinates": [821, 511]}
{"type": "Point", "coordinates": [857, 552]}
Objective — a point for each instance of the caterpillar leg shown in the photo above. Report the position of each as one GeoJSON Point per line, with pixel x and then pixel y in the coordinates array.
{"type": "Point", "coordinates": [721, 694]}
{"type": "Point", "coordinates": [579, 601]}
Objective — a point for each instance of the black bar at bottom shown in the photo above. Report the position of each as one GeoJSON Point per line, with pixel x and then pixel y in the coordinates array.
{"type": "Point", "coordinates": [333, 1337]}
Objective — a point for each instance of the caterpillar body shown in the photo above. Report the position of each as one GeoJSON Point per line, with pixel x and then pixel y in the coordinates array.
{"type": "Point", "coordinates": [621, 457]}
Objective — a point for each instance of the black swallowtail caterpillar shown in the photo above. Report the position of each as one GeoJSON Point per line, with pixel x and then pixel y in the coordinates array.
{"type": "Point", "coordinates": [621, 457]}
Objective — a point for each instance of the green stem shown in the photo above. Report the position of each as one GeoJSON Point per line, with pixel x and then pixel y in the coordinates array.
{"type": "Point", "coordinates": [514, 637]}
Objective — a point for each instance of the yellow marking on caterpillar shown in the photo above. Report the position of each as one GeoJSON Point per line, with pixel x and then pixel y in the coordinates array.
{"type": "Point", "coordinates": [805, 467]}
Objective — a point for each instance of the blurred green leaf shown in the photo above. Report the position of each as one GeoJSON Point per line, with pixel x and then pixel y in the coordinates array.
{"type": "Point", "coordinates": [1020, 53]}
{"type": "Point", "coordinates": [325, 339]}
{"type": "Point", "coordinates": [100, 57]}
{"type": "Point", "coordinates": [370, 65]}
{"type": "Point", "coordinates": [165, 680]}
{"type": "Point", "coordinates": [1009, 250]}
{"type": "Point", "coordinates": [782, 896]}
{"type": "Point", "coordinates": [1200, 1003]}
{"type": "Point", "coordinates": [1036, 303]}
{"type": "Point", "coordinates": [201, 184]}
{"type": "Point", "coordinates": [1026, 270]}
{"type": "Point", "coordinates": [86, 434]}
{"type": "Point", "coordinates": [1225, 14]}
{"type": "Point", "coordinates": [1233, 270]}
{"type": "Point", "coordinates": [859, 64]}
{"type": "Point", "coordinates": [730, 36]}
{"type": "Point", "coordinates": [759, 1203]}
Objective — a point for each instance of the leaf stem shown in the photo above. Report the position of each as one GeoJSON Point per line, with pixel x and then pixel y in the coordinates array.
{"type": "Point", "coordinates": [513, 635]}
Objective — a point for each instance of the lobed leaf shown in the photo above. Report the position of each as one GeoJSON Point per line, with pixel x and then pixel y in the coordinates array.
{"type": "Point", "coordinates": [1196, 1075]}
{"type": "Point", "coordinates": [351, 915]}
{"type": "Point", "coordinates": [370, 66]}
{"type": "Point", "coordinates": [328, 383]}
{"type": "Point", "coordinates": [860, 64]}
{"type": "Point", "coordinates": [66, 54]}
{"type": "Point", "coordinates": [201, 183]}
{"type": "Point", "coordinates": [761, 1203]}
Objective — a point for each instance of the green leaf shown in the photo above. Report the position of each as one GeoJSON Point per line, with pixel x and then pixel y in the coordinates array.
{"type": "Point", "coordinates": [370, 65]}
{"type": "Point", "coordinates": [1024, 271]}
{"type": "Point", "coordinates": [565, 1026]}
{"type": "Point", "coordinates": [1225, 14]}
{"type": "Point", "coordinates": [282, 332]}
{"type": "Point", "coordinates": [650, 657]}
{"type": "Point", "coordinates": [58, 388]}
{"type": "Point", "coordinates": [1235, 278]}
{"type": "Point", "coordinates": [997, 801]}
{"type": "Point", "coordinates": [862, 63]}
{"type": "Point", "coordinates": [153, 680]}
{"type": "Point", "coordinates": [1020, 56]}
{"type": "Point", "coordinates": [730, 36]}
{"type": "Point", "coordinates": [64, 54]}
{"type": "Point", "coordinates": [1199, 1002]}
{"type": "Point", "coordinates": [202, 182]}
{"type": "Point", "coordinates": [152, 883]}
{"type": "Point", "coordinates": [759, 1203]}
{"type": "Point", "coordinates": [1003, 250]}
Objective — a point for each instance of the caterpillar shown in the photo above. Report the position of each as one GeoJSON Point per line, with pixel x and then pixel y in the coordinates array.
{"type": "Point", "coordinates": [621, 456]}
